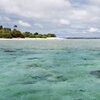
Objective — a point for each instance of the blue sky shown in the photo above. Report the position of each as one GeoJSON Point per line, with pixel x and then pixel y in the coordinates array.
{"type": "Point", "coordinates": [62, 17]}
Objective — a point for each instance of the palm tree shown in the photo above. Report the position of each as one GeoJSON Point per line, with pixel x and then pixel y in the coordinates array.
{"type": "Point", "coordinates": [15, 26]}
{"type": "Point", "coordinates": [1, 27]}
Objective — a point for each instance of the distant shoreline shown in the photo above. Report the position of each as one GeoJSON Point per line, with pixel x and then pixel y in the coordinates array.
{"type": "Point", "coordinates": [51, 38]}
{"type": "Point", "coordinates": [82, 38]}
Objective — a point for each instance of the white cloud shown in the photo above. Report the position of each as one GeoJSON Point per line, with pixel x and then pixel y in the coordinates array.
{"type": "Point", "coordinates": [92, 30]}
{"type": "Point", "coordinates": [64, 22]}
{"type": "Point", "coordinates": [46, 9]}
{"type": "Point", "coordinates": [25, 24]}
{"type": "Point", "coordinates": [34, 8]}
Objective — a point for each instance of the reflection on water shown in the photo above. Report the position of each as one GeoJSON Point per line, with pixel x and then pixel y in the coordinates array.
{"type": "Point", "coordinates": [50, 71]}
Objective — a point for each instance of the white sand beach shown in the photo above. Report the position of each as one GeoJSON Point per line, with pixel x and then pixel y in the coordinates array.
{"type": "Point", "coordinates": [55, 38]}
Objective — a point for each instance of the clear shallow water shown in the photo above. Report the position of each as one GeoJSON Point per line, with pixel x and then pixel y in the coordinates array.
{"type": "Point", "coordinates": [50, 70]}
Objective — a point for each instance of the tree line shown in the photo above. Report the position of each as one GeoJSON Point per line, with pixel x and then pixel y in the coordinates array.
{"type": "Point", "coordinates": [15, 33]}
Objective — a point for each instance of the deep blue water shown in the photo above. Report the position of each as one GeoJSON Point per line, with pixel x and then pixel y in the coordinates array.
{"type": "Point", "coordinates": [50, 70]}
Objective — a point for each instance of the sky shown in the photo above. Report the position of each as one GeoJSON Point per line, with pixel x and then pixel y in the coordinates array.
{"type": "Point", "coordinates": [63, 17]}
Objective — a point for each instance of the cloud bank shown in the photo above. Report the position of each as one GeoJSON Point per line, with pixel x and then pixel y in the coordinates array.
{"type": "Point", "coordinates": [67, 17]}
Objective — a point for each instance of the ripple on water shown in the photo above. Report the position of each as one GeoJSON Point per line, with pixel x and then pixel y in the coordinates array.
{"type": "Point", "coordinates": [36, 74]}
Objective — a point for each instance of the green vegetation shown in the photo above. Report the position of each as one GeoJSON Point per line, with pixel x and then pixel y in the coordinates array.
{"type": "Point", "coordinates": [14, 33]}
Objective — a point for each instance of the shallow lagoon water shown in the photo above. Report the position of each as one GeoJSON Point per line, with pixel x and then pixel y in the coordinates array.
{"type": "Point", "coordinates": [50, 69]}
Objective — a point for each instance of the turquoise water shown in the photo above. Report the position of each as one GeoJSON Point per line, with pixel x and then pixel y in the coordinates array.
{"type": "Point", "coordinates": [50, 70]}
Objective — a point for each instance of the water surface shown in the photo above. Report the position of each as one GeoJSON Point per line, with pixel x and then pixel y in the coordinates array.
{"type": "Point", "coordinates": [50, 69]}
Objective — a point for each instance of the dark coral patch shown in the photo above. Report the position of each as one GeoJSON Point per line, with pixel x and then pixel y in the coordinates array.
{"type": "Point", "coordinates": [96, 73]}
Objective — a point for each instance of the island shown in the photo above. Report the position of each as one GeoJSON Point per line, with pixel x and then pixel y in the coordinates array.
{"type": "Point", "coordinates": [15, 33]}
